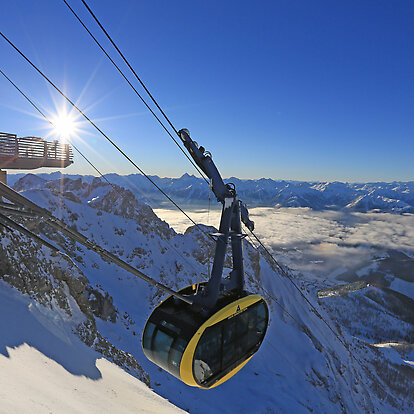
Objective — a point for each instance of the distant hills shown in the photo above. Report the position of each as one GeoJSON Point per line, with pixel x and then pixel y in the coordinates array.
{"type": "Point", "coordinates": [394, 197]}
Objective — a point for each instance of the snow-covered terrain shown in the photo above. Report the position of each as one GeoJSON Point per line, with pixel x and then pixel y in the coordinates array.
{"type": "Point", "coordinates": [395, 197]}
{"type": "Point", "coordinates": [301, 367]}
{"type": "Point", "coordinates": [45, 368]}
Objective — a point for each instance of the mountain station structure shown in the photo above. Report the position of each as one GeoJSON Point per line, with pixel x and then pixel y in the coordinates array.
{"type": "Point", "coordinates": [29, 153]}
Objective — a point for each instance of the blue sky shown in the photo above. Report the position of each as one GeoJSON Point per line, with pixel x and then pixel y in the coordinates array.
{"type": "Point", "coordinates": [305, 90]}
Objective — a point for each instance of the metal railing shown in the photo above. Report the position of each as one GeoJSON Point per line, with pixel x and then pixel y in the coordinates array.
{"type": "Point", "coordinates": [33, 148]}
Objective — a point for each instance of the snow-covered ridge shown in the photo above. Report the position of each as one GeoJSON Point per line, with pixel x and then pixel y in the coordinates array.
{"type": "Point", "coordinates": [396, 197]}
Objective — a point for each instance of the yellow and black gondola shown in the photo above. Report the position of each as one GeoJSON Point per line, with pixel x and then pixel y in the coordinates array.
{"type": "Point", "coordinates": [208, 334]}
{"type": "Point", "coordinates": [205, 349]}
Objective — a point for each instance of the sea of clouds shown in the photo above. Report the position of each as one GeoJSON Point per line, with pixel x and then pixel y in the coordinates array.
{"type": "Point", "coordinates": [319, 243]}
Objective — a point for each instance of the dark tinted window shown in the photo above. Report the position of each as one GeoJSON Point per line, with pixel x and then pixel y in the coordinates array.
{"type": "Point", "coordinates": [161, 348]}
{"type": "Point", "coordinates": [257, 324]}
{"type": "Point", "coordinates": [148, 333]}
{"type": "Point", "coordinates": [243, 332]}
{"type": "Point", "coordinates": [229, 341]}
{"type": "Point", "coordinates": [176, 354]}
{"type": "Point", "coordinates": [207, 358]}
{"type": "Point", "coordinates": [261, 311]}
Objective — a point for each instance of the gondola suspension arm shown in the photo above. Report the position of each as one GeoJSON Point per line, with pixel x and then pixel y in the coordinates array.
{"type": "Point", "coordinates": [233, 213]}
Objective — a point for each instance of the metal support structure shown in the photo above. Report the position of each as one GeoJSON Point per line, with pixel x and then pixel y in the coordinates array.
{"type": "Point", "coordinates": [233, 214]}
{"type": "Point", "coordinates": [236, 236]}
{"type": "Point", "coordinates": [29, 153]}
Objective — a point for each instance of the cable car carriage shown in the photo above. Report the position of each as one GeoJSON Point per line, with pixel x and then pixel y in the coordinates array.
{"type": "Point", "coordinates": [206, 333]}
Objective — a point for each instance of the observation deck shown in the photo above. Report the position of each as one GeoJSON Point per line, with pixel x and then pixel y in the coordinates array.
{"type": "Point", "coordinates": [29, 153]}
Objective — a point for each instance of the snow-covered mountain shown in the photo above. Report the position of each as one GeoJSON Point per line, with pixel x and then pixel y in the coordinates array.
{"type": "Point", "coordinates": [397, 197]}
{"type": "Point", "coordinates": [301, 367]}
{"type": "Point", "coordinates": [378, 303]}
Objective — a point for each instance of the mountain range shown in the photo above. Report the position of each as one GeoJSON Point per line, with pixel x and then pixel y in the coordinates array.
{"type": "Point", "coordinates": [394, 197]}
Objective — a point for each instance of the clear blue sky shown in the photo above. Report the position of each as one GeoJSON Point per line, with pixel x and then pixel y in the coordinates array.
{"type": "Point", "coordinates": [306, 90]}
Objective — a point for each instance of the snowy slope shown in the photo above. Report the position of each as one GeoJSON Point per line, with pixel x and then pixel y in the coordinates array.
{"type": "Point", "coordinates": [302, 366]}
{"type": "Point", "coordinates": [45, 368]}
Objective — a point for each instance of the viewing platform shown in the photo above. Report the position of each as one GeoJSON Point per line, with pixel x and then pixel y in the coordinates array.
{"type": "Point", "coordinates": [29, 153]}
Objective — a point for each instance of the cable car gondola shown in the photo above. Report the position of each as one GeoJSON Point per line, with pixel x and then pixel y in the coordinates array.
{"type": "Point", "coordinates": [209, 337]}
{"type": "Point", "coordinates": [205, 349]}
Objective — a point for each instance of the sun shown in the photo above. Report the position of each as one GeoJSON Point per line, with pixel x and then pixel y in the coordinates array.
{"type": "Point", "coordinates": [65, 125]}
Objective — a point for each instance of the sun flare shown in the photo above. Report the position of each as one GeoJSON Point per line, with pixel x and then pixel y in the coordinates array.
{"type": "Point", "coordinates": [65, 125]}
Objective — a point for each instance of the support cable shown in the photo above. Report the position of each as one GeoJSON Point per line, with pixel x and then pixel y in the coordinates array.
{"type": "Point", "coordinates": [314, 310]}
{"type": "Point", "coordinates": [7, 208]}
{"type": "Point", "coordinates": [11, 224]}
{"type": "Point", "coordinates": [59, 225]}
{"type": "Point", "coordinates": [6, 227]}
{"type": "Point", "coordinates": [128, 64]}
{"type": "Point", "coordinates": [48, 120]}
{"type": "Point", "coordinates": [102, 133]}
{"type": "Point", "coordinates": [132, 86]}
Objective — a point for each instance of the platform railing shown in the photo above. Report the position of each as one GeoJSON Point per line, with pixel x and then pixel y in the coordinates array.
{"type": "Point", "coordinates": [33, 148]}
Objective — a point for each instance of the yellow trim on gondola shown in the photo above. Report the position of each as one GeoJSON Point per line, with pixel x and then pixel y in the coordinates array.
{"type": "Point", "coordinates": [232, 309]}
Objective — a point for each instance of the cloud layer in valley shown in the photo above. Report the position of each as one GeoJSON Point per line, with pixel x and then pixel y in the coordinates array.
{"type": "Point", "coordinates": [322, 243]}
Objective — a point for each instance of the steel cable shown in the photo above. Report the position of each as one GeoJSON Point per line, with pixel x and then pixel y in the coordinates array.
{"type": "Point", "coordinates": [80, 153]}
{"type": "Point", "coordinates": [48, 120]}
{"type": "Point", "coordinates": [130, 84]}
{"type": "Point", "coordinates": [102, 133]}
{"type": "Point", "coordinates": [314, 310]}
